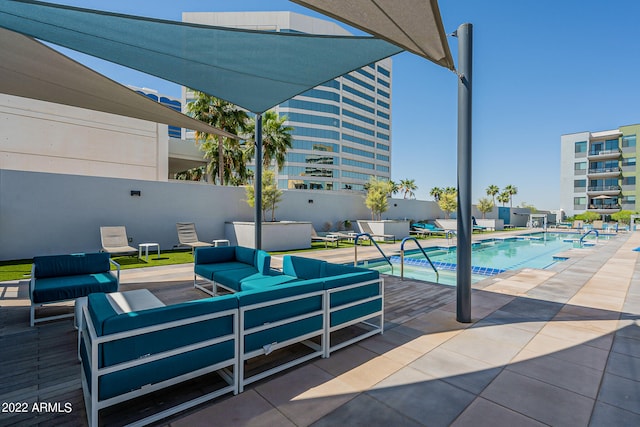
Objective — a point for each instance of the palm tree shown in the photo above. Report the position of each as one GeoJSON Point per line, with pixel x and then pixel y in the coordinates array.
{"type": "Point", "coordinates": [408, 186]}
{"type": "Point", "coordinates": [492, 190]}
{"type": "Point", "coordinates": [511, 191]}
{"type": "Point", "coordinates": [225, 116]}
{"type": "Point", "coordinates": [450, 190]}
{"type": "Point", "coordinates": [485, 205]}
{"type": "Point", "coordinates": [276, 139]}
{"type": "Point", "coordinates": [436, 192]}
{"type": "Point", "coordinates": [504, 198]}
{"type": "Point", "coordinates": [394, 187]}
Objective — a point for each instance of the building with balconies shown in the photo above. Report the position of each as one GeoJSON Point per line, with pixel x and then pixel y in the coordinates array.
{"type": "Point", "coordinates": [598, 171]}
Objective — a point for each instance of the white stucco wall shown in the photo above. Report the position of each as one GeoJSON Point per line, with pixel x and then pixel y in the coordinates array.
{"type": "Point", "coordinates": [567, 172]}
{"type": "Point", "coordinates": [44, 213]}
{"type": "Point", "coordinates": [45, 137]}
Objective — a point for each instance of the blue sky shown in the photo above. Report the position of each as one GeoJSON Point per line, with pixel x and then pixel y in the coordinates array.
{"type": "Point", "coordinates": [541, 69]}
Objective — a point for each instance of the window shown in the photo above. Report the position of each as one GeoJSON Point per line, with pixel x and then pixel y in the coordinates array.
{"type": "Point", "coordinates": [383, 115]}
{"type": "Point", "coordinates": [316, 146]}
{"type": "Point", "coordinates": [628, 141]}
{"type": "Point", "coordinates": [382, 157]}
{"type": "Point", "coordinates": [357, 163]}
{"type": "Point", "coordinates": [322, 94]}
{"type": "Point", "coordinates": [357, 152]}
{"type": "Point", "coordinates": [310, 105]}
{"type": "Point", "coordinates": [580, 183]}
{"type": "Point", "coordinates": [358, 140]}
{"type": "Point", "coordinates": [580, 166]}
{"type": "Point", "coordinates": [581, 147]}
{"type": "Point", "coordinates": [317, 133]}
{"type": "Point", "coordinates": [384, 71]}
{"type": "Point", "coordinates": [315, 120]}
{"type": "Point", "coordinates": [382, 147]}
{"type": "Point", "coordinates": [629, 180]}
{"type": "Point", "coordinates": [629, 161]}
{"type": "Point", "coordinates": [611, 144]}
{"type": "Point", "coordinates": [629, 200]}
{"type": "Point", "coordinates": [577, 201]}
{"type": "Point", "coordinates": [383, 93]}
{"type": "Point", "coordinates": [357, 93]}
{"type": "Point", "coordinates": [357, 116]}
{"type": "Point", "coordinates": [357, 128]}
{"type": "Point", "coordinates": [382, 136]}
{"type": "Point", "coordinates": [357, 104]}
{"type": "Point", "coordinates": [382, 168]}
{"type": "Point", "coordinates": [358, 82]}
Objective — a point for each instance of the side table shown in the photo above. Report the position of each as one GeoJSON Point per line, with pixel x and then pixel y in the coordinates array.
{"type": "Point", "coordinates": [146, 247]}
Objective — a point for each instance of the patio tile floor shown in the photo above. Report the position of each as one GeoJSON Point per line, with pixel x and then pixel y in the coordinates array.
{"type": "Point", "coordinates": [554, 347]}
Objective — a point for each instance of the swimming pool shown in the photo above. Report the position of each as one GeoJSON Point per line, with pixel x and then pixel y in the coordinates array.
{"type": "Point", "coordinates": [488, 257]}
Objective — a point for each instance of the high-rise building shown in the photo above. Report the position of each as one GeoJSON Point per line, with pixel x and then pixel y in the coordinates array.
{"type": "Point", "coordinates": [167, 101]}
{"type": "Point", "coordinates": [342, 128]}
{"type": "Point", "coordinates": [598, 171]}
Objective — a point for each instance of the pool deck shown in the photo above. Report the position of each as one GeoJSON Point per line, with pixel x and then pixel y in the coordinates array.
{"type": "Point", "coordinates": [554, 347]}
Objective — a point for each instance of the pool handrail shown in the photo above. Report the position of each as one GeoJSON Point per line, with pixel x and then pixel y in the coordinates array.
{"type": "Point", "coordinates": [593, 230]}
{"type": "Point", "coordinates": [423, 252]}
{"type": "Point", "coordinates": [355, 249]}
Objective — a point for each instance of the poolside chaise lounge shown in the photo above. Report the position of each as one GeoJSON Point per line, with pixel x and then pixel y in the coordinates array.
{"type": "Point", "coordinates": [114, 240]}
{"type": "Point", "coordinates": [58, 278]}
{"type": "Point", "coordinates": [127, 355]}
{"type": "Point", "coordinates": [475, 225]}
{"type": "Point", "coordinates": [365, 228]}
{"type": "Point", "coordinates": [331, 238]}
{"type": "Point", "coordinates": [425, 229]}
{"type": "Point", "coordinates": [187, 236]}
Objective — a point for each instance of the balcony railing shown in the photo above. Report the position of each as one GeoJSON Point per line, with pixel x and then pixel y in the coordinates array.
{"type": "Point", "coordinates": [604, 152]}
{"type": "Point", "coordinates": [604, 188]}
{"type": "Point", "coordinates": [605, 170]}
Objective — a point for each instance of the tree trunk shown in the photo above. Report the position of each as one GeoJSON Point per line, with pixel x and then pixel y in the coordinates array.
{"type": "Point", "coordinates": [221, 159]}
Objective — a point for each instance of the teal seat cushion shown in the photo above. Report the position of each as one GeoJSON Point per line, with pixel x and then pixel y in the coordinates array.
{"type": "Point", "coordinates": [231, 278]}
{"type": "Point", "coordinates": [303, 268]}
{"type": "Point", "coordinates": [71, 287]}
{"type": "Point", "coordinates": [340, 297]}
{"type": "Point", "coordinates": [209, 270]}
{"type": "Point", "coordinates": [260, 281]}
{"type": "Point", "coordinates": [69, 265]}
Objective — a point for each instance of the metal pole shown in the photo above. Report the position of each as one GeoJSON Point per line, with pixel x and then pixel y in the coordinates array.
{"type": "Point", "coordinates": [463, 287]}
{"type": "Point", "coordinates": [258, 183]}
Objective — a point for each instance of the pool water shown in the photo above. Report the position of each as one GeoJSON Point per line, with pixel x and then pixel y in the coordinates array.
{"type": "Point", "coordinates": [488, 257]}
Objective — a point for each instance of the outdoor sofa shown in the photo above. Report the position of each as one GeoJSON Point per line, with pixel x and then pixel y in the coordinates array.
{"type": "Point", "coordinates": [58, 278]}
{"type": "Point", "coordinates": [126, 355]}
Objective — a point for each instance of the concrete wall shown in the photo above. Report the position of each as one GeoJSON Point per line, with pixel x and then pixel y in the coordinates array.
{"type": "Point", "coordinates": [44, 213]}
{"type": "Point", "coordinates": [45, 137]}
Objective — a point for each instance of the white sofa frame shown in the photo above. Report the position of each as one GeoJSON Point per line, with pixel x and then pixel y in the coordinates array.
{"type": "Point", "coordinates": [92, 342]}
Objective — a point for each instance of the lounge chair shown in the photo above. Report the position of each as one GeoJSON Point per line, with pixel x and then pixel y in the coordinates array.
{"type": "Point", "coordinates": [425, 229]}
{"type": "Point", "coordinates": [330, 238]}
{"type": "Point", "coordinates": [115, 241]}
{"type": "Point", "coordinates": [364, 227]}
{"type": "Point", "coordinates": [188, 237]}
{"type": "Point", "coordinates": [598, 224]}
{"type": "Point", "coordinates": [477, 227]}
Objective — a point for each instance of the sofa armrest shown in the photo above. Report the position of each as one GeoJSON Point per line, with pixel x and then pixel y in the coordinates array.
{"type": "Point", "coordinates": [117, 266]}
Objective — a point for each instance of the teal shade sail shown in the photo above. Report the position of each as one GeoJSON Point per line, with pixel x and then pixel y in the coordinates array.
{"type": "Point", "coordinates": [256, 70]}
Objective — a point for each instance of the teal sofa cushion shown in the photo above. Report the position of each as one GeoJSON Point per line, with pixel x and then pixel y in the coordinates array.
{"type": "Point", "coordinates": [281, 311]}
{"type": "Point", "coordinates": [245, 255]}
{"type": "Point", "coordinates": [71, 287]}
{"type": "Point", "coordinates": [209, 270]}
{"type": "Point", "coordinates": [260, 281]}
{"type": "Point", "coordinates": [231, 278]}
{"type": "Point", "coordinates": [263, 262]}
{"type": "Point", "coordinates": [70, 265]}
{"type": "Point", "coordinates": [107, 321]}
{"type": "Point", "coordinates": [213, 254]}
{"type": "Point", "coordinates": [303, 268]}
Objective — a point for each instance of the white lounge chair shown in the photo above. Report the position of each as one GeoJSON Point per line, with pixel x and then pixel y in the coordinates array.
{"type": "Point", "coordinates": [331, 238]}
{"type": "Point", "coordinates": [364, 227]}
{"type": "Point", "coordinates": [115, 241]}
{"type": "Point", "coordinates": [188, 237]}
